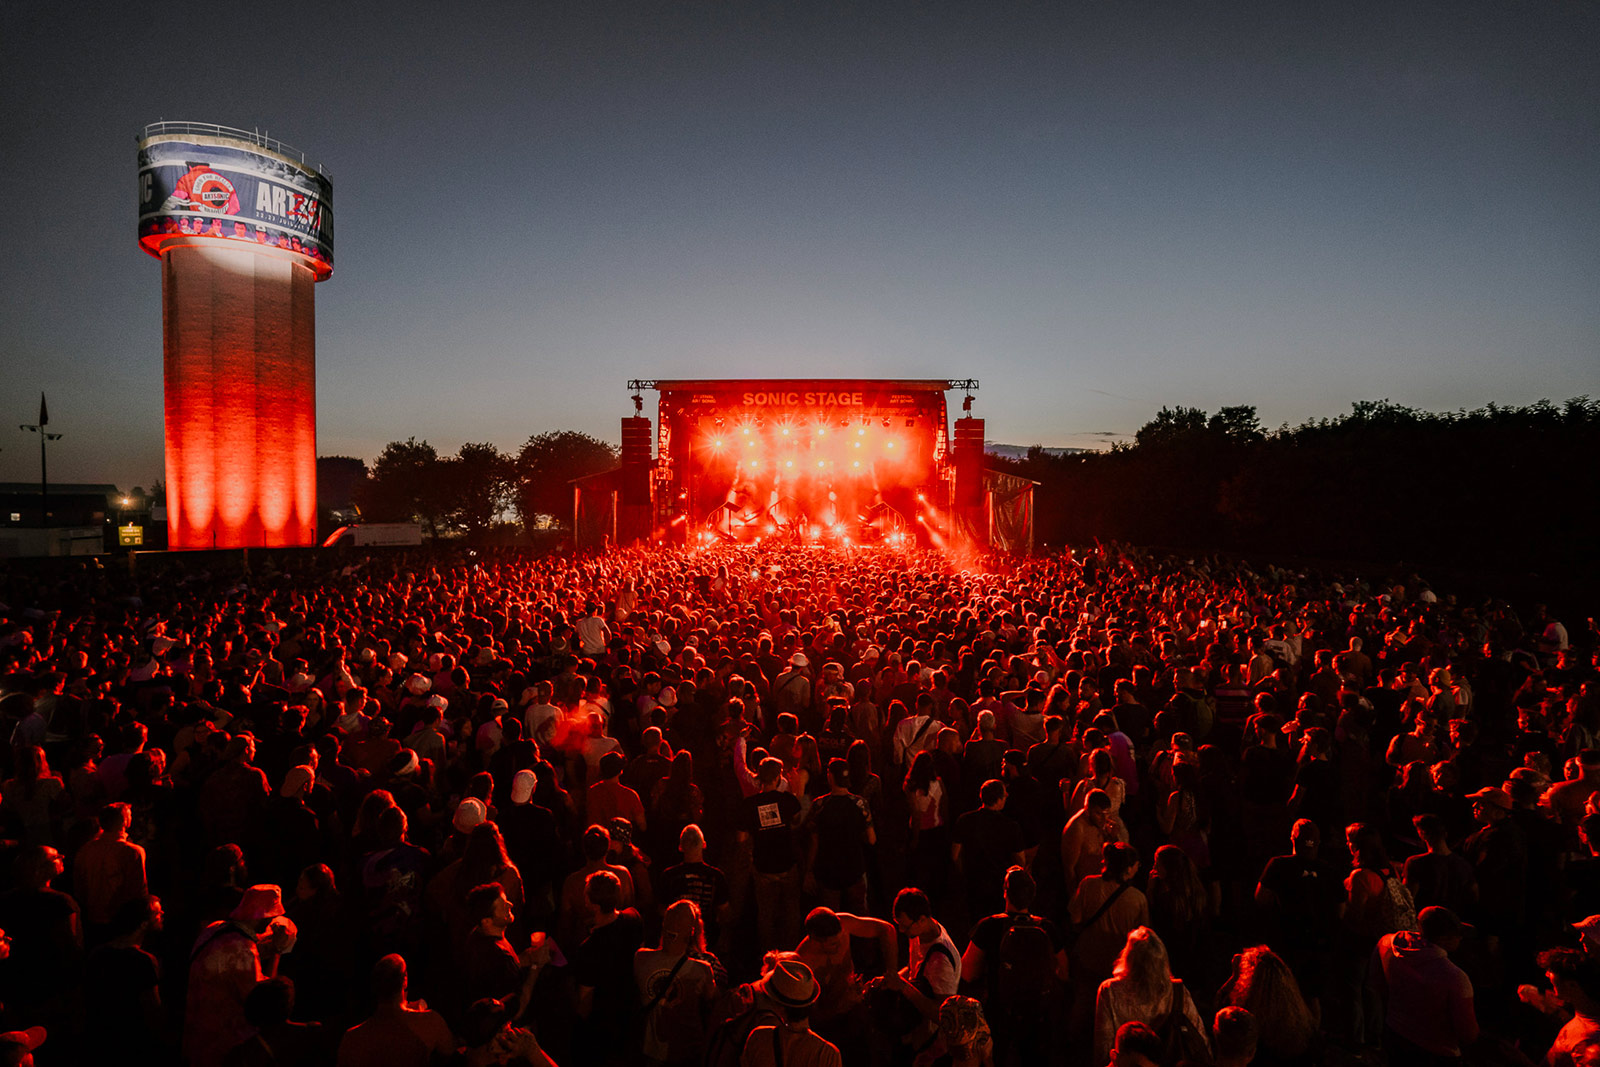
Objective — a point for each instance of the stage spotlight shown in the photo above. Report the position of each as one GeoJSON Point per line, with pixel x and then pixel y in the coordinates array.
{"type": "Point", "coordinates": [785, 431]}
{"type": "Point", "coordinates": [856, 464]}
{"type": "Point", "coordinates": [717, 443]}
{"type": "Point", "coordinates": [922, 498]}
{"type": "Point", "coordinates": [745, 429]}
{"type": "Point", "coordinates": [822, 431]}
{"type": "Point", "coordinates": [861, 433]}
{"type": "Point", "coordinates": [889, 445]}
{"type": "Point", "coordinates": [788, 463]}
{"type": "Point", "coordinates": [821, 463]}
{"type": "Point", "coordinates": [771, 528]}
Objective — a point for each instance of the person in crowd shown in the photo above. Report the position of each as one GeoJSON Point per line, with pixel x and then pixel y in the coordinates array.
{"type": "Point", "coordinates": [767, 822]}
{"type": "Point", "coordinates": [986, 843]}
{"type": "Point", "coordinates": [108, 871]}
{"type": "Point", "coordinates": [792, 989]}
{"type": "Point", "coordinates": [122, 989]}
{"type": "Point", "coordinates": [1235, 1038]}
{"type": "Point", "coordinates": [1019, 961]}
{"type": "Point", "coordinates": [399, 1032]}
{"type": "Point", "coordinates": [226, 963]}
{"type": "Point", "coordinates": [1429, 1016]}
{"type": "Point", "coordinates": [383, 698]}
{"type": "Point", "coordinates": [675, 990]}
{"type": "Point", "coordinates": [604, 972]}
{"type": "Point", "coordinates": [1284, 1030]}
{"type": "Point", "coordinates": [839, 833]}
{"type": "Point", "coordinates": [1141, 989]}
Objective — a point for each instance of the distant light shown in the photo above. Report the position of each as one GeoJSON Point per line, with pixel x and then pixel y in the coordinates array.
{"type": "Point", "coordinates": [920, 519]}
{"type": "Point", "coordinates": [771, 528]}
{"type": "Point", "coordinates": [822, 431]}
{"type": "Point", "coordinates": [786, 431]}
{"type": "Point", "coordinates": [821, 463]}
{"type": "Point", "coordinates": [717, 443]}
{"type": "Point", "coordinates": [922, 498]}
{"type": "Point", "coordinates": [744, 429]}
{"type": "Point", "coordinates": [861, 432]}
{"type": "Point", "coordinates": [889, 445]}
{"type": "Point", "coordinates": [788, 463]}
{"type": "Point", "coordinates": [856, 464]}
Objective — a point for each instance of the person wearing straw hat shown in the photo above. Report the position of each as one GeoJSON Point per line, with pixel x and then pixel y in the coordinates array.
{"type": "Point", "coordinates": [790, 1043]}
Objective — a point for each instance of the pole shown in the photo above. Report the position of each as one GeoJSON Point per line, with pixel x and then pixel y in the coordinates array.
{"type": "Point", "coordinates": [44, 483]}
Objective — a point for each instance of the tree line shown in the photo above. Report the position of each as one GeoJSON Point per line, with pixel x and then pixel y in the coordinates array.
{"type": "Point", "coordinates": [471, 492]}
{"type": "Point", "coordinates": [1508, 488]}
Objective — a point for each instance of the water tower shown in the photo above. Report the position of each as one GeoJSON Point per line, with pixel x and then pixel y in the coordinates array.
{"type": "Point", "coordinates": [243, 227]}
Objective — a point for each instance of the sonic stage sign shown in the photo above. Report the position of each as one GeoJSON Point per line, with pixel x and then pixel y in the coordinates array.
{"type": "Point", "coordinates": [832, 396]}
{"type": "Point", "coordinates": [220, 187]}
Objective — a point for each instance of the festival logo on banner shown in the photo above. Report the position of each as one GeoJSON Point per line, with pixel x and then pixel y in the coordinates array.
{"type": "Point", "coordinates": [203, 189]}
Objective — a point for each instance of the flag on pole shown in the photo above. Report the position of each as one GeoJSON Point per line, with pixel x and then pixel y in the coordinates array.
{"type": "Point", "coordinates": [44, 413]}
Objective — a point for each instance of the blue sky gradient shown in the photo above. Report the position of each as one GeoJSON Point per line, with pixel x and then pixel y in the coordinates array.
{"type": "Point", "coordinates": [1094, 208]}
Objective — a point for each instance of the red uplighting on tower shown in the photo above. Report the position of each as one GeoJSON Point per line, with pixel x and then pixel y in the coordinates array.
{"type": "Point", "coordinates": [244, 230]}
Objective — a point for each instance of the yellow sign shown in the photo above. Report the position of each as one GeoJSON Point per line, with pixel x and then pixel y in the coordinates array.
{"type": "Point", "coordinates": [130, 535]}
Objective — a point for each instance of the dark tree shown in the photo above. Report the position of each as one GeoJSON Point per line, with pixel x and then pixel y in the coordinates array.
{"type": "Point", "coordinates": [481, 480]}
{"type": "Point", "coordinates": [408, 484]}
{"type": "Point", "coordinates": [546, 467]}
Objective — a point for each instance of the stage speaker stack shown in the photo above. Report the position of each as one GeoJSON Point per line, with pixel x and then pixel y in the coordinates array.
{"type": "Point", "coordinates": [633, 493]}
{"type": "Point", "coordinates": [635, 462]}
{"type": "Point", "coordinates": [969, 462]}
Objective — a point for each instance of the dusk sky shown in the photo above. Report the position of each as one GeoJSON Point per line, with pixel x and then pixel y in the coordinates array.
{"type": "Point", "coordinates": [1096, 209]}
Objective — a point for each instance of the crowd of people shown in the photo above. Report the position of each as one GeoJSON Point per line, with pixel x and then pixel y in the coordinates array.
{"type": "Point", "coordinates": [790, 806]}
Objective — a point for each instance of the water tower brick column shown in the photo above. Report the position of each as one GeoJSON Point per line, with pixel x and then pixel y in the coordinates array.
{"type": "Point", "coordinates": [240, 340]}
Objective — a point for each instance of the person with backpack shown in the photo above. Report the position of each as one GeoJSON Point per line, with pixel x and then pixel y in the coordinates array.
{"type": "Point", "coordinates": [1142, 989]}
{"type": "Point", "coordinates": [1376, 903]}
{"type": "Point", "coordinates": [933, 969]}
{"type": "Point", "coordinates": [1017, 963]}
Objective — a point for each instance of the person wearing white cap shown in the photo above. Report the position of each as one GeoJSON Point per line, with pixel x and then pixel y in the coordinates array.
{"type": "Point", "coordinates": [791, 690]}
{"type": "Point", "coordinates": [793, 988]}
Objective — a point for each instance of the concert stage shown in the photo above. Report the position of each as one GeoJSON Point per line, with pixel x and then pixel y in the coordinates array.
{"type": "Point", "coordinates": [846, 461]}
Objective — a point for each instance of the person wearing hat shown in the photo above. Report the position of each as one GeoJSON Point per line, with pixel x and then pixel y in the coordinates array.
{"type": "Point", "coordinates": [790, 1043]}
{"type": "Point", "coordinates": [225, 965]}
{"type": "Point", "coordinates": [17, 1046]}
{"type": "Point", "coordinates": [1429, 1017]}
{"type": "Point", "coordinates": [1498, 853]}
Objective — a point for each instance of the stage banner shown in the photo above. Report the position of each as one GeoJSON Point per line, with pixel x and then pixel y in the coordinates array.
{"type": "Point", "coordinates": [235, 192]}
{"type": "Point", "coordinates": [842, 398]}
